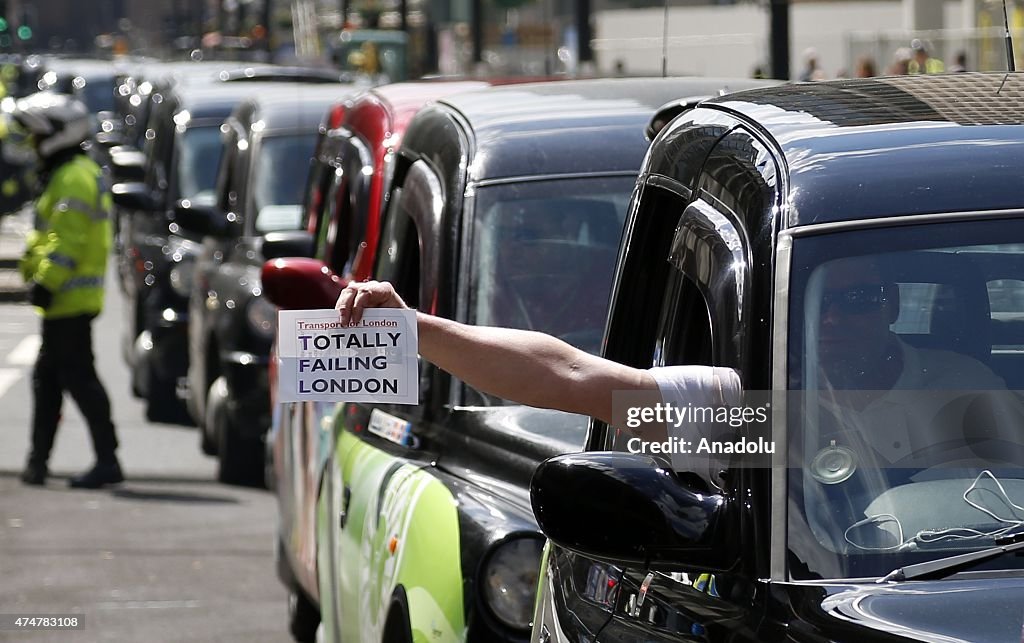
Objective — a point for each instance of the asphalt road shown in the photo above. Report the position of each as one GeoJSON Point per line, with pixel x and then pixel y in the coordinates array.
{"type": "Point", "coordinates": [170, 555]}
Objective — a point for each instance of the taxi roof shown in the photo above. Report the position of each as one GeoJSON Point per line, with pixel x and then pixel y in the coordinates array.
{"type": "Point", "coordinates": [290, 106]}
{"type": "Point", "coordinates": [903, 145]}
{"type": "Point", "coordinates": [547, 127]}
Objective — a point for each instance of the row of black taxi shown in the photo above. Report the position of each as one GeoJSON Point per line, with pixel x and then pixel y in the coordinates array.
{"type": "Point", "coordinates": [850, 248]}
{"type": "Point", "coordinates": [171, 153]}
{"type": "Point", "coordinates": [504, 206]}
{"type": "Point", "coordinates": [739, 177]}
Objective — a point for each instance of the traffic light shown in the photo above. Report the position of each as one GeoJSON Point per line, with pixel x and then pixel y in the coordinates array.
{"type": "Point", "coordinates": [24, 32]}
{"type": "Point", "coordinates": [5, 34]}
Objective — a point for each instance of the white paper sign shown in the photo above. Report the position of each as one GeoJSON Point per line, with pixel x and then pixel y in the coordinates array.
{"type": "Point", "coordinates": [323, 361]}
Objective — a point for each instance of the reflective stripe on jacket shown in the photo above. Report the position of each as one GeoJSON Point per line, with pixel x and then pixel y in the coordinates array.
{"type": "Point", "coordinates": [68, 250]}
{"type": "Point", "coordinates": [931, 66]}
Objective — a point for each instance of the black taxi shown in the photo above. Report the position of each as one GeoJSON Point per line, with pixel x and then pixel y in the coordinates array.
{"type": "Point", "coordinates": [855, 250]}
{"type": "Point", "coordinates": [268, 144]}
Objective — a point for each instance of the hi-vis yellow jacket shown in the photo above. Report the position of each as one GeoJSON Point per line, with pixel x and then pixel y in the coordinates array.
{"type": "Point", "coordinates": [67, 251]}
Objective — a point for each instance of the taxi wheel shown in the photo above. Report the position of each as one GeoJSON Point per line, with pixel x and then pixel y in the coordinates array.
{"type": "Point", "coordinates": [303, 617]}
{"type": "Point", "coordinates": [240, 460]}
{"type": "Point", "coordinates": [397, 628]}
{"type": "Point", "coordinates": [163, 405]}
{"type": "Point", "coordinates": [216, 408]}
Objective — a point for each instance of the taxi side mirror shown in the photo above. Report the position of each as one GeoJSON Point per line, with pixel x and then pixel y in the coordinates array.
{"type": "Point", "coordinates": [298, 283]}
{"type": "Point", "coordinates": [134, 197]}
{"type": "Point", "coordinates": [631, 511]}
{"type": "Point", "coordinates": [127, 164]}
{"type": "Point", "coordinates": [199, 218]}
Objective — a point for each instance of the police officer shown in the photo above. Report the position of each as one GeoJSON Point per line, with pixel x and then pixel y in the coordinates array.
{"type": "Point", "coordinates": [922, 63]}
{"type": "Point", "coordinates": [64, 264]}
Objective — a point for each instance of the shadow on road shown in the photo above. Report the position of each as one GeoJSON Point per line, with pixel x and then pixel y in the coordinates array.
{"type": "Point", "coordinates": [131, 491]}
{"type": "Point", "coordinates": [171, 496]}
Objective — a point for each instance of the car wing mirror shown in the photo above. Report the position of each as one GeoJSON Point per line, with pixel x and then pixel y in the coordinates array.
{"type": "Point", "coordinates": [109, 139]}
{"type": "Point", "coordinates": [291, 243]}
{"type": "Point", "coordinates": [134, 197]}
{"type": "Point", "coordinates": [667, 112]}
{"type": "Point", "coordinates": [127, 164]}
{"type": "Point", "coordinates": [111, 129]}
{"type": "Point", "coordinates": [630, 510]}
{"type": "Point", "coordinates": [202, 219]}
{"type": "Point", "coordinates": [297, 283]}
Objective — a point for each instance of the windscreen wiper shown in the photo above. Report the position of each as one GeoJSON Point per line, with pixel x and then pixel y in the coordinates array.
{"type": "Point", "coordinates": [943, 567]}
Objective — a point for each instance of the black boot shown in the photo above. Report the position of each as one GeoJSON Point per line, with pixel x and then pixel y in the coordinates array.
{"type": "Point", "coordinates": [35, 473]}
{"type": "Point", "coordinates": [103, 473]}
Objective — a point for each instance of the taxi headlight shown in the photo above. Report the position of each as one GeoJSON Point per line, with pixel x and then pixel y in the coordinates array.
{"type": "Point", "coordinates": [262, 317]}
{"type": "Point", "coordinates": [510, 580]}
{"type": "Point", "coordinates": [181, 276]}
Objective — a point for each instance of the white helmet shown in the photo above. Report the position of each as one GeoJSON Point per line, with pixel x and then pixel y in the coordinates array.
{"type": "Point", "coordinates": [57, 121]}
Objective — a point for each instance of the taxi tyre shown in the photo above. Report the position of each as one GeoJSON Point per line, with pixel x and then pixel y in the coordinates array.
{"type": "Point", "coordinates": [216, 398]}
{"type": "Point", "coordinates": [206, 445]}
{"type": "Point", "coordinates": [162, 403]}
{"type": "Point", "coordinates": [138, 386]}
{"type": "Point", "coordinates": [396, 627]}
{"type": "Point", "coordinates": [240, 459]}
{"type": "Point", "coordinates": [303, 616]}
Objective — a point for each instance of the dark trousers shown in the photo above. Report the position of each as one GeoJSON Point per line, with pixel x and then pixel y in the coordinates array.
{"type": "Point", "coordinates": [65, 363]}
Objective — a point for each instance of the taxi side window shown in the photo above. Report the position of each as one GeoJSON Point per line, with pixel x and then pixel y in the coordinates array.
{"type": "Point", "coordinates": [684, 333]}
{"type": "Point", "coordinates": [162, 126]}
{"type": "Point", "coordinates": [398, 254]}
{"type": "Point", "coordinates": [226, 196]}
{"type": "Point", "coordinates": [409, 253]}
{"type": "Point", "coordinates": [318, 182]}
{"type": "Point", "coordinates": [348, 228]}
{"type": "Point", "coordinates": [643, 274]}
{"type": "Point", "coordinates": [327, 222]}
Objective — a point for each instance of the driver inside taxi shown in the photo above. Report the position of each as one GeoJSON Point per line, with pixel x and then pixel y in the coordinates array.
{"type": "Point", "coordinates": [884, 393]}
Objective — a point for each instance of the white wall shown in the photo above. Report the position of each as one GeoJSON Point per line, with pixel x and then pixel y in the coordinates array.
{"type": "Point", "coordinates": [732, 40]}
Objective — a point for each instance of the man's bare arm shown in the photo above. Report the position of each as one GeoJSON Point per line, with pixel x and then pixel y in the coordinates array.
{"type": "Point", "coordinates": [522, 366]}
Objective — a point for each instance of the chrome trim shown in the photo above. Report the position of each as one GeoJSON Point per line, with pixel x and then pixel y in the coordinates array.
{"type": "Point", "coordinates": [780, 327]}
{"type": "Point", "coordinates": [913, 219]}
{"type": "Point", "coordinates": [669, 185]}
{"type": "Point", "coordinates": [551, 177]}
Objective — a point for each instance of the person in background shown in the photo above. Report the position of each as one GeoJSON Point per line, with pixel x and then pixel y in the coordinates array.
{"type": "Point", "coordinates": [64, 265]}
{"type": "Point", "coordinates": [865, 67]}
{"type": "Point", "coordinates": [812, 69]}
{"type": "Point", "coordinates": [959, 63]}
{"type": "Point", "coordinates": [900, 61]}
{"type": "Point", "coordinates": [921, 62]}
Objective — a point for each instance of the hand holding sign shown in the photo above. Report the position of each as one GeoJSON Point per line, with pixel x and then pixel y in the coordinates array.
{"type": "Point", "coordinates": [358, 296]}
{"type": "Point", "coordinates": [323, 359]}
